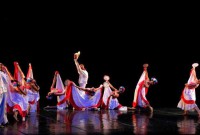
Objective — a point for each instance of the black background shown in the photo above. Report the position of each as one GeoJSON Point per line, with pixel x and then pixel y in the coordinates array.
{"type": "Point", "coordinates": [116, 41]}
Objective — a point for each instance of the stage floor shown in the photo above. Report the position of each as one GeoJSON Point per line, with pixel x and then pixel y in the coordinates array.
{"type": "Point", "coordinates": [51, 121]}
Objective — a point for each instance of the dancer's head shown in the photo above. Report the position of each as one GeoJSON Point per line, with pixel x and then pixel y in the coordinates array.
{"type": "Point", "coordinates": [66, 82]}
{"type": "Point", "coordinates": [145, 66]}
{"type": "Point", "coordinates": [154, 80]}
{"type": "Point", "coordinates": [106, 78]}
{"type": "Point", "coordinates": [1, 66]}
{"type": "Point", "coordinates": [82, 67]}
{"type": "Point", "coordinates": [121, 89]}
{"type": "Point", "coordinates": [15, 83]}
{"type": "Point", "coordinates": [29, 80]}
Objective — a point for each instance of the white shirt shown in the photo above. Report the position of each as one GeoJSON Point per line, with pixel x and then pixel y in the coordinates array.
{"type": "Point", "coordinates": [83, 74]}
{"type": "Point", "coordinates": [3, 82]}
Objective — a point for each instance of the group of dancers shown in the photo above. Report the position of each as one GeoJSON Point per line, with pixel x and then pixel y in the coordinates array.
{"type": "Point", "coordinates": [106, 95]}
{"type": "Point", "coordinates": [80, 97]}
{"type": "Point", "coordinates": [19, 95]}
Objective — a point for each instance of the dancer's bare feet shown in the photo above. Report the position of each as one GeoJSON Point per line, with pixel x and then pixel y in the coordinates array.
{"type": "Point", "coordinates": [23, 118]}
{"type": "Point", "coordinates": [151, 109]}
{"type": "Point", "coordinates": [15, 117]}
{"type": "Point", "coordinates": [94, 109]}
{"type": "Point", "coordinates": [131, 108]}
{"type": "Point", "coordinates": [185, 113]}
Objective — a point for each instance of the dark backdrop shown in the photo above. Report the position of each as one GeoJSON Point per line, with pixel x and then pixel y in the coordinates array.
{"type": "Point", "coordinates": [111, 42]}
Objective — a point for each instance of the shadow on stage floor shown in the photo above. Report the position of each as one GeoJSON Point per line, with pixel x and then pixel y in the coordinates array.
{"type": "Point", "coordinates": [52, 121]}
